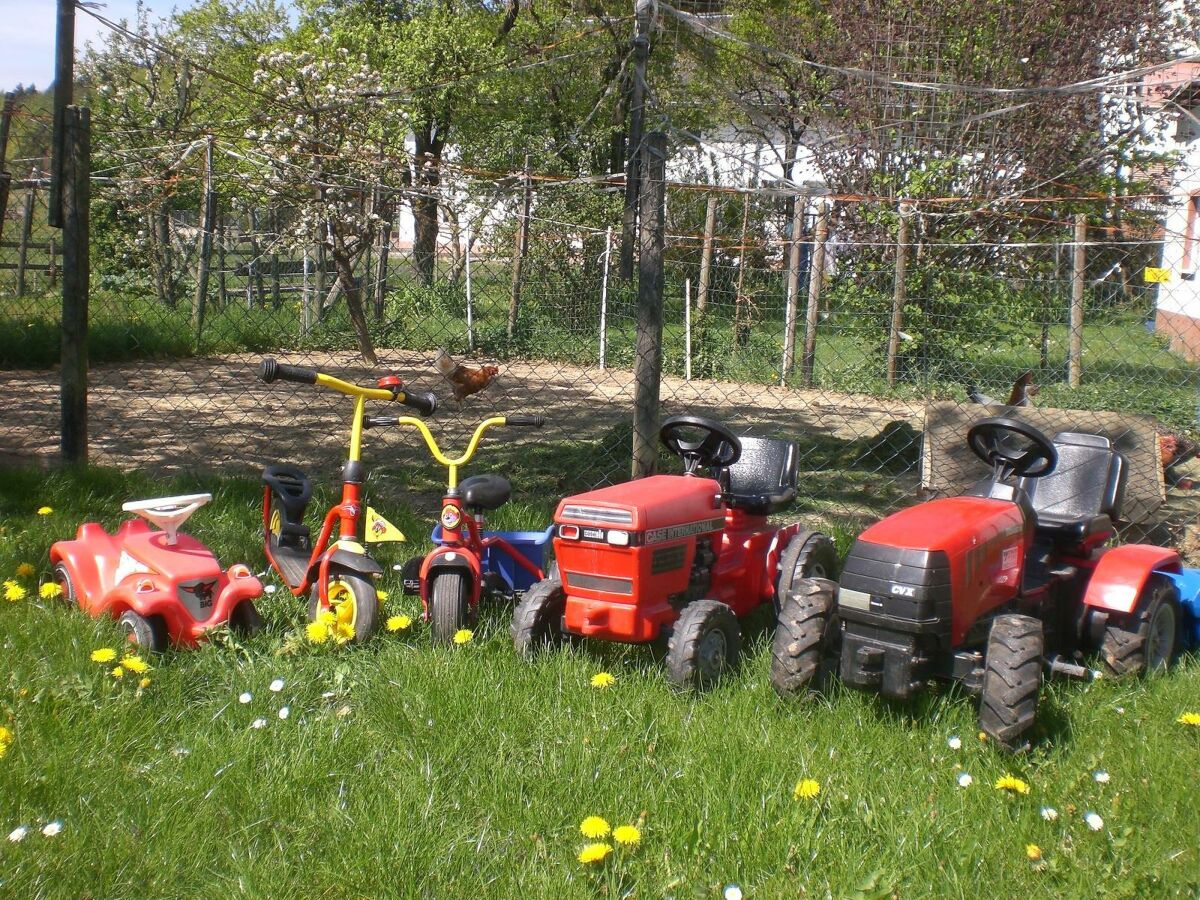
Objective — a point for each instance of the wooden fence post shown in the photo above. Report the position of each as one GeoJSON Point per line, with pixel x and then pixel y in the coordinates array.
{"type": "Point", "coordinates": [76, 196]}
{"type": "Point", "coordinates": [53, 269]}
{"type": "Point", "coordinates": [10, 103]}
{"type": "Point", "coordinates": [792, 290]}
{"type": "Point", "coordinates": [648, 365]}
{"type": "Point", "coordinates": [23, 246]}
{"type": "Point", "coordinates": [706, 254]}
{"type": "Point", "coordinates": [816, 281]}
{"type": "Point", "coordinates": [381, 266]}
{"type": "Point", "coordinates": [222, 275]}
{"type": "Point", "coordinates": [1078, 276]}
{"type": "Point", "coordinates": [899, 293]}
{"type": "Point", "coordinates": [514, 300]}
{"type": "Point", "coordinates": [207, 223]}
{"type": "Point", "coordinates": [64, 89]}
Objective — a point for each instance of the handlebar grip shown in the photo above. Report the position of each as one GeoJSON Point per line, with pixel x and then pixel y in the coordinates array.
{"type": "Point", "coordinates": [379, 421]}
{"type": "Point", "coordinates": [424, 402]}
{"type": "Point", "coordinates": [271, 370]}
{"type": "Point", "coordinates": [535, 421]}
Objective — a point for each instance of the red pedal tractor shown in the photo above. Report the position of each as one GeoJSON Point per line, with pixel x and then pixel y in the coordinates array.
{"type": "Point", "coordinates": [161, 586]}
{"type": "Point", "coordinates": [680, 556]}
{"type": "Point", "coordinates": [992, 587]}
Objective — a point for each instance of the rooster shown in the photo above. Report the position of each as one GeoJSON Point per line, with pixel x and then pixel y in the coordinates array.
{"type": "Point", "coordinates": [466, 379]}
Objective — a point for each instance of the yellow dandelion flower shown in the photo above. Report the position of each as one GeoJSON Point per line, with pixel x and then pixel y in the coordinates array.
{"type": "Point", "coordinates": [594, 827]}
{"type": "Point", "coordinates": [104, 655]}
{"type": "Point", "coordinates": [135, 664]}
{"type": "Point", "coordinates": [602, 680]}
{"type": "Point", "coordinates": [1033, 851]}
{"type": "Point", "coordinates": [6, 738]}
{"type": "Point", "coordinates": [382, 595]}
{"type": "Point", "coordinates": [806, 789]}
{"type": "Point", "coordinates": [45, 510]}
{"type": "Point", "coordinates": [1012, 783]}
{"type": "Point", "coordinates": [594, 853]}
{"type": "Point", "coordinates": [24, 570]}
{"type": "Point", "coordinates": [13, 591]}
{"type": "Point", "coordinates": [326, 617]}
{"type": "Point", "coordinates": [144, 683]}
{"type": "Point", "coordinates": [50, 590]}
{"type": "Point", "coordinates": [464, 636]}
{"type": "Point", "coordinates": [117, 672]}
{"type": "Point", "coordinates": [1189, 718]}
{"type": "Point", "coordinates": [627, 835]}
{"type": "Point", "coordinates": [398, 623]}
{"type": "Point", "coordinates": [343, 632]}
{"type": "Point", "coordinates": [317, 632]}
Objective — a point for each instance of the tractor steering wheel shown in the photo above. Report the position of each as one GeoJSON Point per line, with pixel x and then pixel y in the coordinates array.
{"type": "Point", "coordinates": [715, 448]}
{"type": "Point", "coordinates": [1013, 446]}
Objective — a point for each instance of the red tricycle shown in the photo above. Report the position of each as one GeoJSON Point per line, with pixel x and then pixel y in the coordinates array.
{"type": "Point", "coordinates": [678, 555]}
{"type": "Point", "coordinates": [469, 562]}
{"type": "Point", "coordinates": [162, 587]}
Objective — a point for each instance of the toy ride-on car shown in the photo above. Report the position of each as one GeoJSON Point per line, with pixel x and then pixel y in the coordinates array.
{"type": "Point", "coordinates": [678, 556]}
{"type": "Point", "coordinates": [161, 586]}
{"type": "Point", "coordinates": [991, 588]}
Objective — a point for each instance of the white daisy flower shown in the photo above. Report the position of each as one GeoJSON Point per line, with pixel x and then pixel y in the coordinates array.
{"type": "Point", "coordinates": [259, 723]}
{"type": "Point", "coordinates": [276, 685]}
{"type": "Point", "coordinates": [284, 712]}
{"type": "Point", "coordinates": [245, 697]}
{"type": "Point", "coordinates": [1049, 813]}
{"type": "Point", "coordinates": [955, 743]}
{"type": "Point", "coordinates": [1093, 820]}
{"type": "Point", "coordinates": [53, 828]}
{"type": "Point", "coordinates": [732, 892]}
{"type": "Point", "coordinates": [18, 834]}
{"type": "Point", "coordinates": [965, 779]}
{"type": "Point", "coordinates": [1101, 776]}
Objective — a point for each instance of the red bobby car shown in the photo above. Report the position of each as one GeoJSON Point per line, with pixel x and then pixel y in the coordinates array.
{"type": "Point", "coordinates": [161, 586]}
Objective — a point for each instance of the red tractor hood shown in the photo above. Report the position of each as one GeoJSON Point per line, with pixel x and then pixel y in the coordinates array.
{"type": "Point", "coordinates": [953, 524]}
{"type": "Point", "coordinates": [648, 504]}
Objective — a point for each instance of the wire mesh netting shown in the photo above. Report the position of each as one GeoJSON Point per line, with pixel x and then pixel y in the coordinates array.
{"type": "Point", "coordinates": [864, 291]}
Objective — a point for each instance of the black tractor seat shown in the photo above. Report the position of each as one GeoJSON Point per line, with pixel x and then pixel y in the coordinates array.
{"type": "Point", "coordinates": [763, 480]}
{"type": "Point", "coordinates": [485, 491]}
{"type": "Point", "coordinates": [1081, 498]}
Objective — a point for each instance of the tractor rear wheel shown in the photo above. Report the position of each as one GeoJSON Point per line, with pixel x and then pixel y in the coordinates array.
{"type": "Point", "coordinates": [148, 632]}
{"type": "Point", "coordinates": [704, 644]}
{"type": "Point", "coordinates": [537, 620]}
{"type": "Point", "coordinates": [449, 606]}
{"type": "Point", "coordinates": [1012, 679]}
{"type": "Point", "coordinates": [803, 645]}
{"type": "Point", "coordinates": [1147, 639]}
{"type": "Point", "coordinates": [808, 554]}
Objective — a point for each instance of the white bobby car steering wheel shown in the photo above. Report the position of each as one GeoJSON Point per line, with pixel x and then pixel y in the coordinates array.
{"type": "Point", "coordinates": [167, 513]}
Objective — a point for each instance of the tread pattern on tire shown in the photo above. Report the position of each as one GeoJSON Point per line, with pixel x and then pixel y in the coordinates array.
{"type": "Point", "coordinates": [803, 550]}
{"type": "Point", "coordinates": [537, 621]}
{"type": "Point", "coordinates": [449, 607]}
{"type": "Point", "coordinates": [1123, 647]}
{"type": "Point", "coordinates": [1012, 680]}
{"type": "Point", "coordinates": [801, 636]}
{"type": "Point", "coordinates": [683, 647]}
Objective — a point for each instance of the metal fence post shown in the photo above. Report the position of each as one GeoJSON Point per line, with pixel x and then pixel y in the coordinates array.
{"type": "Point", "coordinates": [1078, 274]}
{"type": "Point", "coordinates": [816, 281]}
{"type": "Point", "coordinates": [899, 294]}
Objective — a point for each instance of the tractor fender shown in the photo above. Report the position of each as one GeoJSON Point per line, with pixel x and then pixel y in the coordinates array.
{"type": "Point", "coordinates": [450, 558]}
{"type": "Point", "coordinates": [1119, 577]}
{"type": "Point", "coordinates": [355, 562]}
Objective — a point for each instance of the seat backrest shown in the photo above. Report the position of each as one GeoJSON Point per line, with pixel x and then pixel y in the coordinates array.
{"type": "Point", "coordinates": [1088, 481]}
{"type": "Point", "coordinates": [764, 475]}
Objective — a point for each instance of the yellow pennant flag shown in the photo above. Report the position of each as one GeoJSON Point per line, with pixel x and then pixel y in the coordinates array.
{"type": "Point", "coordinates": [1157, 276]}
{"type": "Point", "coordinates": [380, 529]}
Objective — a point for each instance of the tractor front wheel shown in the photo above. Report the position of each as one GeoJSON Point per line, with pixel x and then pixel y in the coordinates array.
{"type": "Point", "coordinates": [1147, 639]}
{"type": "Point", "coordinates": [804, 645]}
{"type": "Point", "coordinates": [352, 600]}
{"type": "Point", "coordinates": [537, 620]}
{"type": "Point", "coordinates": [1012, 679]}
{"type": "Point", "coordinates": [809, 554]}
{"type": "Point", "coordinates": [704, 644]}
{"type": "Point", "coordinates": [148, 632]}
{"type": "Point", "coordinates": [449, 606]}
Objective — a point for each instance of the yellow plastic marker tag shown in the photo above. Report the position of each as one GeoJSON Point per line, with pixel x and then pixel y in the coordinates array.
{"type": "Point", "coordinates": [380, 529]}
{"type": "Point", "coordinates": [1157, 276]}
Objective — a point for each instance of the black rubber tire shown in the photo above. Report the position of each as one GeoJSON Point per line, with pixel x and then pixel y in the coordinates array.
{"type": "Point", "coordinates": [62, 576]}
{"type": "Point", "coordinates": [366, 601]}
{"type": "Point", "coordinates": [449, 606]}
{"type": "Point", "coordinates": [802, 649]}
{"type": "Point", "coordinates": [148, 632]}
{"type": "Point", "coordinates": [704, 645]}
{"type": "Point", "coordinates": [808, 554]}
{"type": "Point", "coordinates": [244, 620]}
{"type": "Point", "coordinates": [1147, 639]}
{"type": "Point", "coordinates": [1012, 679]}
{"type": "Point", "coordinates": [537, 620]}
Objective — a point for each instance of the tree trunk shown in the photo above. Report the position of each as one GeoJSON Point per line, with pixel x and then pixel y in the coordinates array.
{"type": "Point", "coordinates": [426, 178]}
{"type": "Point", "coordinates": [162, 255]}
{"type": "Point", "coordinates": [353, 291]}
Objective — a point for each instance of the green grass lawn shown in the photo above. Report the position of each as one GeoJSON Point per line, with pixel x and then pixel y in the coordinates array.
{"type": "Point", "coordinates": [404, 770]}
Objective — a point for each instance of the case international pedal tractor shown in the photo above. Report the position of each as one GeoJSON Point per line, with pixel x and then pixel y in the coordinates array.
{"type": "Point", "coordinates": [992, 587]}
{"type": "Point", "coordinates": [341, 572]}
{"type": "Point", "coordinates": [680, 556]}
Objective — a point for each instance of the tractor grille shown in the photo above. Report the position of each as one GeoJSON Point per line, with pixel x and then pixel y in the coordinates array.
{"type": "Point", "coordinates": [620, 586]}
{"type": "Point", "coordinates": [600, 514]}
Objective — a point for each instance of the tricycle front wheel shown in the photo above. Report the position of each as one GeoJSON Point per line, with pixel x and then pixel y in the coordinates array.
{"type": "Point", "coordinates": [449, 606]}
{"type": "Point", "coordinates": [353, 601]}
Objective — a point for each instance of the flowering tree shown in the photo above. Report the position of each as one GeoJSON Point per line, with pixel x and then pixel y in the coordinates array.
{"type": "Point", "coordinates": [328, 156]}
